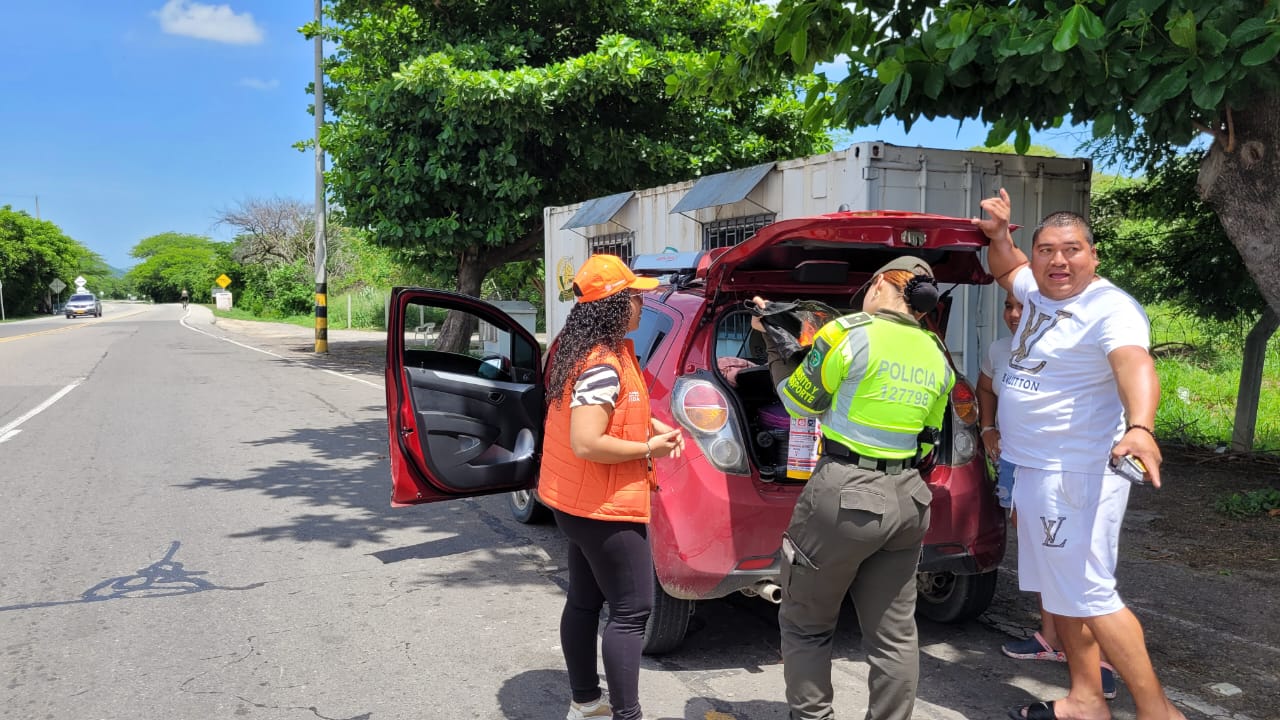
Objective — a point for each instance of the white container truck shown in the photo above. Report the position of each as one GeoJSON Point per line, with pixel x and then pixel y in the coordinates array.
{"type": "Point", "coordinates": [725, 209]}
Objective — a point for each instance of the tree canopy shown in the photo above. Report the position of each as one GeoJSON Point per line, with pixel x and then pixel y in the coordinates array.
{"type": "Point", "coordinates": [457, 122]}
{"type": "Point", "coordinates": [1151, 231]}
{"type": "Point", "coordinates": [1151, 75]}
{"type": "Point", "coordinates": [32, 254]}
{"type": "Point", "coordinates": [174, 261]}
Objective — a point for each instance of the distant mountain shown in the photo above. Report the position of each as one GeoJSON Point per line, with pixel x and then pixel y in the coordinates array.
{"type": "Point", "coordinates": [117, 272]}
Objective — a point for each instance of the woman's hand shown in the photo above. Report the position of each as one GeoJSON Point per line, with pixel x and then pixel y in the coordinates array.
{"type": "Point", "coordinates": [666, 444]}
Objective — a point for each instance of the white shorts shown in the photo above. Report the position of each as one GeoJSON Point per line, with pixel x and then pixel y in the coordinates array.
{"type": "Point", "coordinates": [1069, 538]}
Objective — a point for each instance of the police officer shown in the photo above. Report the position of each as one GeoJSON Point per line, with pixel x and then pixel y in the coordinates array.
{"type": "Point", "coordinates": [878, 382]}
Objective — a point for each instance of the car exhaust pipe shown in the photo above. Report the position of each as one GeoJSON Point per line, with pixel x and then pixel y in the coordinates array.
{"type": "Point", "coordinates": [767, 589]}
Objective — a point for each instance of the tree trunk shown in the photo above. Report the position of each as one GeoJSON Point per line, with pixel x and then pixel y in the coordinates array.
{"type": "Point", "coordinates": [1241, 187]}
{"type": "Point", "coordinates": [456, 331]}
{"type": "Point", "coordinates": [1255, 356]}
{"type": "Point", "coordinates": [474, 264]}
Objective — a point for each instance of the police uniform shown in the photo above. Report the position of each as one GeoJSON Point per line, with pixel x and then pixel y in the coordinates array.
{"type": "Point", "coordinates": [876, 382]}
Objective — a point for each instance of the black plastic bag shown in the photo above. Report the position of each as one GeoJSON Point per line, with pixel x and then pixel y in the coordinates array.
{"type": "Point", "coordinates": [791, 326]}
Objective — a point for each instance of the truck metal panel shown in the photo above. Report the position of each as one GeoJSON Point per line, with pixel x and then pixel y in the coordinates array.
{"type": "Point", "coordinates": [864, 176]}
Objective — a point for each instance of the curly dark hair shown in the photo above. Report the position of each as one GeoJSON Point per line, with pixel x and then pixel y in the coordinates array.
{"type": "Point", "coordinates": [589, 325]}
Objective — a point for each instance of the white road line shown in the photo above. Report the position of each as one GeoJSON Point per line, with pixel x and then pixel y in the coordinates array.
{"type": "Point", "coordinates": [11, 429]}
{"type": "Point", "coordinates": [275, 355]}
{"type": "Point", "coordinates": [1188, 700]}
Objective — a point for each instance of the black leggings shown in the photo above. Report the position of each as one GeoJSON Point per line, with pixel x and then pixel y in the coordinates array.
{"type": "Point", "coordinates": [607, 561]}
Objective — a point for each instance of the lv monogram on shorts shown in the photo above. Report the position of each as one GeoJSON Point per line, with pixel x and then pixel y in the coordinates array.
{"type": "Point", "coordinates": [1051, 528]}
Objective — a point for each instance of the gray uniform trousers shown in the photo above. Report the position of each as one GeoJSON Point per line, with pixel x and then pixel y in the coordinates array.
{"type": "Point", "coordinates": [857, 531]}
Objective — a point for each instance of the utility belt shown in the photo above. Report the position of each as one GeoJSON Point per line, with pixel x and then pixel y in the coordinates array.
{"type": "Point", "coordinates": [896, 466]}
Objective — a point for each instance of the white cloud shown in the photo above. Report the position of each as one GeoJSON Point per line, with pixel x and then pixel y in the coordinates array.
{"type": "Point", "coordinates": [218, 23]}
{"type": "Point", "coordinates": [259, 84]}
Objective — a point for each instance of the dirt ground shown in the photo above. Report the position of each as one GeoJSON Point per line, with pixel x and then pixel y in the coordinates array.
{"type": "Point", "coordinates": [1203, 585]}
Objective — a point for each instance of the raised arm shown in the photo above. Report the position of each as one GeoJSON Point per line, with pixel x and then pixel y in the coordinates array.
{"type": "Point", "coordinates": [1003, 256]}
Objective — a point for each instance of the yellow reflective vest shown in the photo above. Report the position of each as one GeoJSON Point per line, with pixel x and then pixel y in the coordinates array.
{"type": "Point", "coordinates": [874, 381]}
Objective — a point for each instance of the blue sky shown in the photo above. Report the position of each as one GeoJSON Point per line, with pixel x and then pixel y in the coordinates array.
{"type": "Point", "coordinates": [128, 118]}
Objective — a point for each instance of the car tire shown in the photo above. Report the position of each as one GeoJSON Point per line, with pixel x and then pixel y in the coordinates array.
{"type": "Point", "coordinates": [668, 622]}
{"type": "Point", "coordinates": [526, 509]}
{"type": "Point", "coordinates": [948, 598]}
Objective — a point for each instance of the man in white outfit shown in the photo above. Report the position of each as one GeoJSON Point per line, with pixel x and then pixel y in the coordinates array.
{"type": "Point", "coordinates": [1079, 382]}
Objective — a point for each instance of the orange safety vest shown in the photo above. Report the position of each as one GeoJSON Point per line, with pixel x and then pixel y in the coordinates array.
{"type": "Point", "coordinates": [618, 491]}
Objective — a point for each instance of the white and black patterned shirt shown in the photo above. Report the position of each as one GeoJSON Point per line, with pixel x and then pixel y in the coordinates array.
{"type": "Point", "coordinates": [598, 385]}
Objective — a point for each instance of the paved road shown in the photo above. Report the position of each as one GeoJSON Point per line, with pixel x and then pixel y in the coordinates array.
{"type": "Point", "coordinates": [196, 525]}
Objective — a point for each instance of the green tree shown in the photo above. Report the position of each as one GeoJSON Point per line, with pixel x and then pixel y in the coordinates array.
{"type": "Point", "coordinates": [1151, 75]}
{"type": "Point", "coordinates": [32, 254]}
{"type": "Point", "coordinates": [1151, 231]}
{"type": "Point", "coordinates": [458, 121]}
{"type": "Point", "coordinates": [173, 261]}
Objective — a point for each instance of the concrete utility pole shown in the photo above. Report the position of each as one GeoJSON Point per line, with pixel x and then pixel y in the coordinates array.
{"type": "Point", "coordinates": [322, 290]}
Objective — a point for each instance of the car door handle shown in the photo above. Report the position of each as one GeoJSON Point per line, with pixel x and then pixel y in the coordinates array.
{"type": "Point", "coordinates": [497, 398]}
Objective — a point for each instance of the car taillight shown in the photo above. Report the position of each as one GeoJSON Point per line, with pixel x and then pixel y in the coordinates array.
{"type": "Point", "coordinates": [702, 408]}
{"type": "Point", "coordinates": [963, 402]}
{"type": "Point", "coordinates": [964, 415]}
{"type": "Point", "coordinates": [706, 408]}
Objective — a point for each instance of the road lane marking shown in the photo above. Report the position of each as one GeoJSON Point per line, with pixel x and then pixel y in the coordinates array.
{"type": "Point", "coordinates": [346, 376]}
{"type": "Point", "coordinates": [10, 430]}
{"type": "Point", "coordinates": [67, 328]}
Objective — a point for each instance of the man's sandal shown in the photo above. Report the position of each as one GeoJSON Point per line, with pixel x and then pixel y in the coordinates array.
{"type": "Point", "coordinates": [1035, 711]}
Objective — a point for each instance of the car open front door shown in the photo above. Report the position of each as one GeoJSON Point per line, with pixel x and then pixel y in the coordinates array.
{"type": "Point", "coordinates": [464, 398]}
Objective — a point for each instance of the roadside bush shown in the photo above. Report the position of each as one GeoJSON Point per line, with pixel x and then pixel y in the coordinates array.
{"type": "Point", "coordinates": [368, 309]}
{"type": "Point", "coordinates": [1248, 504]}
{"type": "Point", "coordinates": [279, 291]}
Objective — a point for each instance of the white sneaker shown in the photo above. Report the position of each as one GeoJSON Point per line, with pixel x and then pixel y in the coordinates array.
{"type": "Point", "coordinates": [599, 708]}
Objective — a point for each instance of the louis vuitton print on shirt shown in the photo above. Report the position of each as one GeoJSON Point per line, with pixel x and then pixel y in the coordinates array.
{"type": "Point", "coordinates": [1059, 405]}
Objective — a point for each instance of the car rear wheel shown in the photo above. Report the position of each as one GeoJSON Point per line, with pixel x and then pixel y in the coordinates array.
{"type": "Point", "coordinates": [948, 597]}
{"type": "Point", "coordinates": [667, 623]}
{"type": "Point", "coordinates": [526, 509]}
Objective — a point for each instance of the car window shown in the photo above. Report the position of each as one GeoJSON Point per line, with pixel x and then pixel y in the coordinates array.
{"type": "Point", "coordinates": [81, 298]}
{"type": "Point", "coordinates": [654, 326]}
{"type": "Point", "coordinates": [486, 352]}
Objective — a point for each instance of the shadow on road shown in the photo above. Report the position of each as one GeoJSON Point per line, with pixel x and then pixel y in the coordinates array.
{"type": "Point", "coordinates": [164, 578]}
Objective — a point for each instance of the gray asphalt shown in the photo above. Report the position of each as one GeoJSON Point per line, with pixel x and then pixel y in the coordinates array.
{"type": "Point", "coordinates": [197, 529]}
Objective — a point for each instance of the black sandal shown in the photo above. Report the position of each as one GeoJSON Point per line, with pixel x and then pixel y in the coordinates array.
{"type": "Point", "coordinates": [1042, 710]}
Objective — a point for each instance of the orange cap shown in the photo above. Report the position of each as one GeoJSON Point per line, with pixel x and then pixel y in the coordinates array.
{"type": "Point", "coordinates": [603, 276]}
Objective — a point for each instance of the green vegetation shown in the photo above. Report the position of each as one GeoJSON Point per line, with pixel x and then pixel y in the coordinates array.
{"type": "Point", "coordinates": [174, 261]}
{"type": "Point", "coordinates": [1198, 361]}
{"type": "Point", "coordinates": [34, 252]}
{"type": "Point", "coordinates": [455, 127]}
{"type": "Point", "coordinates": [1150, 76]}
{"type": "Point", "coordinates": [1249, 504]}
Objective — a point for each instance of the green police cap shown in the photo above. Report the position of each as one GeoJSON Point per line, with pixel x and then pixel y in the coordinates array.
{"type": "Point", "coordinates": [911, 264]}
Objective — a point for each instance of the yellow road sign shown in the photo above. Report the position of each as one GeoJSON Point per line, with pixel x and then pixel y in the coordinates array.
{"type": "Point", "coordinates": [223, 281]}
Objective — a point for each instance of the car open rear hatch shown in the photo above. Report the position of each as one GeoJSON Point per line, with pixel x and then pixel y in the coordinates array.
{"type": "Point", "coordinates": [836, 253]}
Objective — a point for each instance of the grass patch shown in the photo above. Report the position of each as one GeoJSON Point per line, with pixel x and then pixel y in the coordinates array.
{"type": "Point", "coordinates": [1198, 362]}
{"type": "Point", "coordinates": [238, 314]}
{"type": "Point", "coordinates": [367, 307]}
{"type": "Point", "coordinates": [1248, 504]}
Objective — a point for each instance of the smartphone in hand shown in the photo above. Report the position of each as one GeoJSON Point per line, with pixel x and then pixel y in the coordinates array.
{"type": "Point", "coordinates": [1130, 468]}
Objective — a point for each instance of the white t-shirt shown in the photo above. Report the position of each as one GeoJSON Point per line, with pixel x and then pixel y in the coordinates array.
{"type": "Point", "coordinates": [997, 355]}
{"type": "Point", "coordinates": [1059, 405]}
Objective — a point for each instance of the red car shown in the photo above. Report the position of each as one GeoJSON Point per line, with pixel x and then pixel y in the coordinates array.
{"type": "Point", "coordinates": [465, 418]}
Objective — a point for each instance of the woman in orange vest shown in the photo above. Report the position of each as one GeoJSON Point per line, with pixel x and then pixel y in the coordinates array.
{"type": "Point", "coordinates": [597, 472]}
